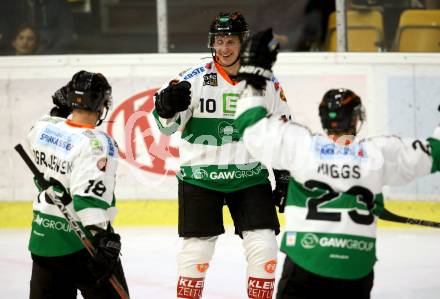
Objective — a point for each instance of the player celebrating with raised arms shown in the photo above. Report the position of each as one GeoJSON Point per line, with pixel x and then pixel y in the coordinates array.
{"type": "Point", "coordinates": [216, 168]}
{"type": "Point", "coordinates": [335, 192]}
{"type": "Point", "coordinates": [79, 165]}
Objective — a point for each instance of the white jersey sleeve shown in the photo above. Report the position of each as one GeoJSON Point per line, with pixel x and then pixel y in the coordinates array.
{"type": "Point", "coordinates": [92, 181]}
{"type": "Point", "coordinates": [267, 138]}
{"type": "Point", "coordinates": [403, 159]}
{"type": "Point", "coordinates": [274, 94]}
{"type": "Point", "coordinates": [281, 146]}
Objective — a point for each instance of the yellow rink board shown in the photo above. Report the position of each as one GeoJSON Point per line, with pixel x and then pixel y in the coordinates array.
{"type": "Point", "coordinates": [164, 213]}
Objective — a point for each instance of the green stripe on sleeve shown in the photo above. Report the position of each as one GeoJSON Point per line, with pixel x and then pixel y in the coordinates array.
{"type": "Point", "coordinates": [166, 130]}
{"type": "Point", "coordinates": [249, 118]}
{"type": "Point", "coordinates": [435, 151]}
{"type": "Point", "coordinates": [81, 203]}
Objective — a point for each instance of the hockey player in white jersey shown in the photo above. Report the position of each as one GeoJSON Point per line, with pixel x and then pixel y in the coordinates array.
{"type": "Point", "coordinates": [216, 168]}
{"type": "Point", "coordinates": [79, 161]}
{"type": "Point", "coordinates": [335, 193]}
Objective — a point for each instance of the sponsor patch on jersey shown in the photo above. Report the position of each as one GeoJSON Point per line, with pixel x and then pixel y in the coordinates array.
{"type": "Point", "coordinates": [52, 224]}
{"type": "Point", "coordinates": [230, 103]}
{"type": "Point", "coordinates": [184, 72]}
{"type": "Point", "coordinates": [198, 174]}
{"type": "Point", "coordinates": [310, 241]}
{"type": "Point", "coordinates": [202, 174]}
{"type": "Point", "coordinates": [111, 147]}
{"type": "Point", "coordinates": [331, 150]}
{"type": "Point", "coordinates": [96, 145]}
{"type": "Point", "coordinates": [210, 79]}
{"type": "Point", "coordinates": [53, 120]}
{"type": "Point", "coordinates": [89, 134]}
{"type": "Point", "coordinates": [54, 138]}
{"type": "Point", "coordinates": [193, 73]}
{"type": "Point", "coordinates": [290, 238]}
{"type": "Point", "coordinates": [227, 129]}
{"type": "Point", "coordinates": [102, 164]}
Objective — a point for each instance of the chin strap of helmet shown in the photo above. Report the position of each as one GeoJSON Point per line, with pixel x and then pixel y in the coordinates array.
{"type": "Point", "coordinates": [215, 58]}
{"type": "Point", "coordinates": [107, 107]}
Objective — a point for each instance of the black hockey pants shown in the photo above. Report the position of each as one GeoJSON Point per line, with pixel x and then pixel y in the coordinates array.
{"type": "Point", "coordinates": [61, 277]}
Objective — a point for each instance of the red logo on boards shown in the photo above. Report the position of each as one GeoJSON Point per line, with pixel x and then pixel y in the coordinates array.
{"type": "Point", "coordinates": [136, 115]}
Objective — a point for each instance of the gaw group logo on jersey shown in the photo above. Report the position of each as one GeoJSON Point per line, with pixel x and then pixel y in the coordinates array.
{"type": "Point", "coordinates": [140, 142]}
{"type": "Point", "coordinates": [310, 241]}
{"type": "Point", "coordinates": [52, 224]}
{"type": "Point", "coordinates": [200, 174]}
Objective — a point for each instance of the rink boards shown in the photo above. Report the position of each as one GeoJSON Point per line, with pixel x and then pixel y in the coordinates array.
{"type": "Point", "coordinates": [133, 213]}
{"type": "Point", "coordinates": [400, 92]}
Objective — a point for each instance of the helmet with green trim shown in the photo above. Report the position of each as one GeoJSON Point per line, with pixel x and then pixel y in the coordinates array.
{"type": "Point", "coordinates": [228, 24]}
{"type": "Point", "coordinates": [340, 110]}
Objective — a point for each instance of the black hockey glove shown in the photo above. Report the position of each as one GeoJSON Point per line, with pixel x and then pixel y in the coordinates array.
{"type": "Point", "coordinates": [257, 57]}
{"type": "Point", "coordinates": [59, 191]}
{"type": "Point", "coordinates": [108, 247]}
{"type": "Point", "coordinates": [62, 106]}
{"type": "Point", "coordinates": [279, 195]}
{"type": "Point", "coordinates": [172, 99]}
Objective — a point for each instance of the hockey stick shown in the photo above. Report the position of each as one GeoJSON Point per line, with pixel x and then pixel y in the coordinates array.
{"type": "Point", "coordinates": [72, 222]}
{"type": "Point", "coordinates": [390, 216]}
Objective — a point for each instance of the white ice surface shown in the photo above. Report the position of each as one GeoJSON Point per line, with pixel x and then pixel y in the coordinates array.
{"type": "Point", "coordinates": [408, 266]}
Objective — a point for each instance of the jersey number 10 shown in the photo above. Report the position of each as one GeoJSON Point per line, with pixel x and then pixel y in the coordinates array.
{"type": "Point", "coordinates": [209, 105]}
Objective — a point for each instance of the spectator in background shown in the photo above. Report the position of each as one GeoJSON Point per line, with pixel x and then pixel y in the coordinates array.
{"type": "Point", "coordinates": [25, 41]}
{"type": "Point", "coordinates": [314, 32]}
{"type": "Point", "coordinates": [287, 21]}
{"type": "Point", "coordinates": [299, 26]}
{"type": "Point", "coordinates": [11, 16]}
{"type": "Point", "coordinates": [51, 19]}
{"type": "Point", "coordinates": [54, 22]}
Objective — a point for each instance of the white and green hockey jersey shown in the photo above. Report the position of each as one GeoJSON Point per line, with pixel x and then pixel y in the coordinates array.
{"type": "Point", "coordinates": [211, 153]}
{"type": "Point", "coordinates": [335, 191]}
{"type": "Point", "coordinates": [84, 160]}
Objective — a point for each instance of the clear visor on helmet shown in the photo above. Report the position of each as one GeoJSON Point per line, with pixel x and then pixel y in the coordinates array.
{"type": "Point", "coordinates": [211, 36]}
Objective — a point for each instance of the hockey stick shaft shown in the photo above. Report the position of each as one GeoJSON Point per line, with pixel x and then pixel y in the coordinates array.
{"type": "Point", "coordinates": [66, 213]}
{"type": "Point", "coordinates": [390, 216]}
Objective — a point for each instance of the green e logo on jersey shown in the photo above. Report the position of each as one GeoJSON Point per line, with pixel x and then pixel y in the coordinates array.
{"type": "Point", "coordinates": [230, 103]}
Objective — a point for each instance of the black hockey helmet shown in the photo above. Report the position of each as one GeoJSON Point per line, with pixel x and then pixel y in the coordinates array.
{"type": "Point", "coordinates": [339, 111]}
{"type": "Point", "coordinates": [227, 23]}
{"type": "Point", "coordinates": [89, 91]}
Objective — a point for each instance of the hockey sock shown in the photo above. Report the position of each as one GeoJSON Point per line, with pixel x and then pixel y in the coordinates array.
{"type": "Point", "coordinates": [193, 262]}
{"type": "Point", "coordinates": [261, 251]}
